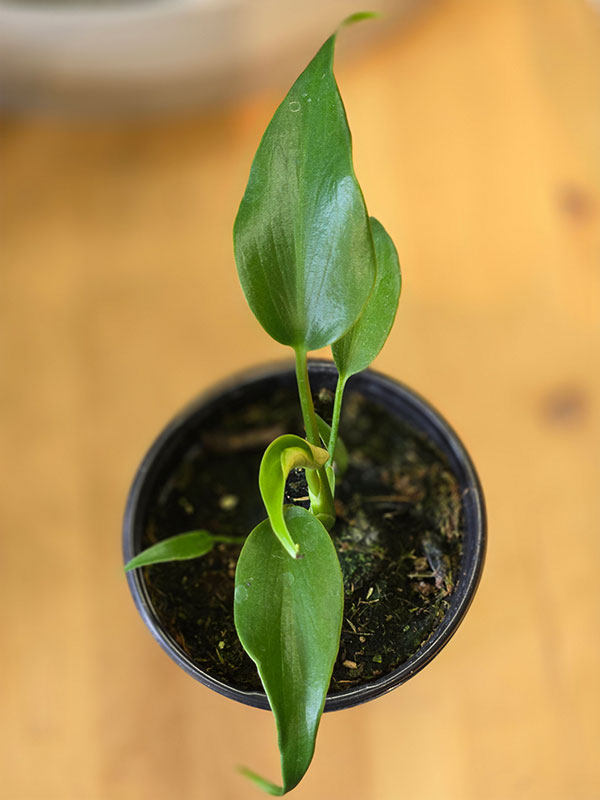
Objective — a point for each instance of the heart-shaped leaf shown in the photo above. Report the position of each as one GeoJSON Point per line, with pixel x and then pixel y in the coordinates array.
{"type": "Point", "coordinates": [283, 455]}
{"type": "Point", "coordinates": [288, 615]}
{"type": "Point", "coordinates": [182, 547]}
{"type": "Point", "coordinates": [302, 240]}
{"type": "Point", "coordinates": [359, 346]}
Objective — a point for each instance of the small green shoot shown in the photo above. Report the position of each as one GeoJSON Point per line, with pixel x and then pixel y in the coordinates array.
{"type": "Point", "coordinates": [181, 547]}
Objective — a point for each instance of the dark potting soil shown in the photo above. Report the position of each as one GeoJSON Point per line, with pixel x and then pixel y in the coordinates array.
{"type": "Point", "coordinates": [398, 535]}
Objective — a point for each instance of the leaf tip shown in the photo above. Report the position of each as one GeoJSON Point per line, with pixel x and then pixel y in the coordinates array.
{"type": "Point", "coordinates": [262, 783]}
{"type": "Point", "coordinates": [359, 16]}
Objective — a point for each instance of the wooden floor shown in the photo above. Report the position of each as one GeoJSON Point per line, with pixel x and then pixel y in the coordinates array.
{"type": "Point", "coordinates": [477, 133]}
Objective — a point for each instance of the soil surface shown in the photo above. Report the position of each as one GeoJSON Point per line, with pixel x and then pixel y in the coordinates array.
{"type": "Point", "coordinates": [398, 535]}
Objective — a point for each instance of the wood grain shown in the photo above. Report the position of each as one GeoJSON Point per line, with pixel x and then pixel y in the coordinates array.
{"type": "Point", "coordinates": [476, 138]}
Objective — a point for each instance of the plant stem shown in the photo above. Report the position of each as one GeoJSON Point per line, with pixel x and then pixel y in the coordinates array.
{"type": "Point", "coordinates": [335, 420]}
{"type": "Point", "coordinates": [306, 401]}
{"type": "Point", "coordinates": [321, 497]}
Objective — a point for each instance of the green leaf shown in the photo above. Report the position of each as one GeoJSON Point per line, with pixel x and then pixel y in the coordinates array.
{"type": "Point", "coordinates": [283, 455]}
{"type": "Point", "coordinates": [340, 454]}
{"type": "Point", "coordinates": [359, 346]}
{"type": "Point", "coordinates": [288, 615]}
{"type": "Point", "coordinates": [302, 239]}
{"type": "Point", "coordinates": [182, 547]}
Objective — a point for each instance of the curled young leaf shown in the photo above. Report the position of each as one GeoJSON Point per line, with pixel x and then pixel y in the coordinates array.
{"type": "Point", "coordinates": [283, 455]}
{"type": "Point", "coordinates": [288, 615]}
{"type": "Point", "coordinates": [182, 547]}
{"type": "Point", "coordinates": [303, 244]}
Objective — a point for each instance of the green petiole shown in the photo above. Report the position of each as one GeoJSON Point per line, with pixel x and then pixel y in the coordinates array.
{"type": "Point", "coordinates": [335, 420]}
{"type": "Point", "coordinates": [319, 489]}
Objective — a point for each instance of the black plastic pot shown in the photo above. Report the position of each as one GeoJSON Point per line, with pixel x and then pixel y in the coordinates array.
{"type": "Point", "coordinates": [398, 400]}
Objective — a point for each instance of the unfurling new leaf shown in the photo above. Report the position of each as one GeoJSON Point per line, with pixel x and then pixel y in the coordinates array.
{"type": "Point", "coordinates": [283, 455]}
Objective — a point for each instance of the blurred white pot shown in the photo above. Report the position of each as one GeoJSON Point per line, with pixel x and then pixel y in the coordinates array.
{"type": "Point", "coordinates": [160, 54]}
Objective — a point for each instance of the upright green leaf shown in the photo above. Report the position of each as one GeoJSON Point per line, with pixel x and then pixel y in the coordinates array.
{"type": "Point", "coordinates": [283, 455]}
{"type": "Point", "coordinates": [288, 615]}
{"type": "Point", "coordinates": [359, 346]}
{"type": "Point", "coordinates": [302, 240]}
{"type": "Point", "coordinates": [181, 547]}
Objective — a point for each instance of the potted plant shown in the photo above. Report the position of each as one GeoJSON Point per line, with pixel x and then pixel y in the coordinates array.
{"type": "Point", "coordinates": [354, 559]}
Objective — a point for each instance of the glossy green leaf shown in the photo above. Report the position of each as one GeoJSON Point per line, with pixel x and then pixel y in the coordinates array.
{"type": "Point", "coordinates": [283, 455]}
{"type": "Point", "coordinates": [359, 346]}
{"type": "Point", "coordinates": [182, 547]}
{"type": "Point", "coordinates": [340, 455]}
{"type": "Point", "coordinates": [303, 244]}
{"type": "Point", "coordinates": [288, 615]}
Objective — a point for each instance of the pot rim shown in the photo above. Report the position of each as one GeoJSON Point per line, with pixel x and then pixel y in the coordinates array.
{"type": "Point", "coordinates": [475, 529]}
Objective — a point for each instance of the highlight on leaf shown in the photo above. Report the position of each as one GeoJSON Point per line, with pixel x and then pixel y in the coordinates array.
{"type": "Point", "coordinates": [284, 454]}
